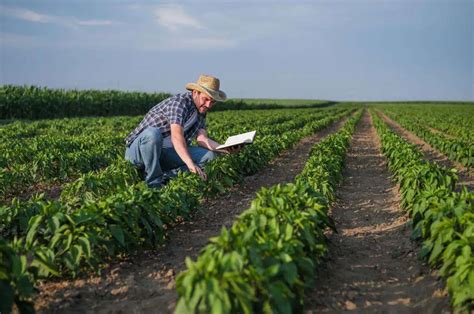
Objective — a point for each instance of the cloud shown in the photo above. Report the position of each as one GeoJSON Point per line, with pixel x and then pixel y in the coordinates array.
{"type": "Point", "coordinates": [24, 14]}
{"type": "Point", "coordinates": [155, 30]}
{"type": "Point", "coordinates": [95, 22]}
{"type": "Point", "coordinates": [32, 16]}
{"type": "Point", "coordinates": [173, 17]}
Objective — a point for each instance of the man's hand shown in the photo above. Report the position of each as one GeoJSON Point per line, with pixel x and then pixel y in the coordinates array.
{"type": "Point", "coordinates": [199, 171]}
{"type": "Point", "coordinates": [232, 149]}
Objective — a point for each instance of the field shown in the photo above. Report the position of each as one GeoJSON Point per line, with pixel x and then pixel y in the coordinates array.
{"type": "Point", "coordinates": [343, 207]}
{"type": "Point", "coordinates": [283, 102]}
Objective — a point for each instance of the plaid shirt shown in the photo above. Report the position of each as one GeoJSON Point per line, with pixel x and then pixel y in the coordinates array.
{"type": "Point", "coordinates": [176, 109]}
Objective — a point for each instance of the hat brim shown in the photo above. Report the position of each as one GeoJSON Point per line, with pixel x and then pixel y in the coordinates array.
{"type": "Point", "coordinates": [217, 95]}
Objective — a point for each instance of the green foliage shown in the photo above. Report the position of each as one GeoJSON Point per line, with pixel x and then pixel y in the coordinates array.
{"type": "Point", "coordinates": [442, 217]}
{"type": "Point", "coordinates": [249, 103]}
{"type": "Point", "coordinates": [447, 128]}
{"type": "Point", "coordinates": [31, 102]}
{"type": "Point", "coordinates": [263, 263]}
{"type": "Point", "coordinates": [17, 277]}
{"type": "Point", "coordinates": [55, 151]}
{"type": "Point", "coordinates": [110, 212]}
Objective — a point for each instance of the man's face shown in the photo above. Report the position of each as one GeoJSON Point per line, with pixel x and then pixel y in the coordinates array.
{"type": "Point", "coordinates": [203, 102]}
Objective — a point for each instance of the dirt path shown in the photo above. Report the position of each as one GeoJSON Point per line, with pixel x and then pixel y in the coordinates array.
{"type": "Point", "coordinates": [372, 264]}
{"type": "Point", "coordinates": [146, 283]}
{"type": "Point", "coordinates": [466, 176]}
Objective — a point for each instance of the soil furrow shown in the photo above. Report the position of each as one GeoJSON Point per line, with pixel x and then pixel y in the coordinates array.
{"type": "Point", "coordinates": [145, 283]}
{"type": "Point", "coordinates": [372, 265]}
{"type": "Point", "coordinates": [466, 176]}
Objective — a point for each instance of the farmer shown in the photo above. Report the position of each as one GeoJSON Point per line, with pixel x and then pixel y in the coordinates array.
{"type": "Point", "coordinates": [160, 144]}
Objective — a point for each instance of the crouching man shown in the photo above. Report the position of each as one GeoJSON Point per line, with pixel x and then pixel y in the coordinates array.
{"type": "Point", "coordinates": [161, 144]}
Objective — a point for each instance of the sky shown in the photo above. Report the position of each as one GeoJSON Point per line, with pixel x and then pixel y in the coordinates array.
{"type": "Point", "coordinates": [332, 50]}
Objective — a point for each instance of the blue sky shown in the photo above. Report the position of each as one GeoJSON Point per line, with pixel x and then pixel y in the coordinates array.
{"type": "Point", "coordinates": [338, 50]}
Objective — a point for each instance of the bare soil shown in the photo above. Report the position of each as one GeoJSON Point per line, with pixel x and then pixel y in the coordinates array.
{"type": "Point", "coordinates": [466, 176]}
{"type": "Point", "coordinates": [145, 283]}
{"type": "Point", "coordinates": [51, 190]}
{"type": "Point", "coordinates": [372, 264]}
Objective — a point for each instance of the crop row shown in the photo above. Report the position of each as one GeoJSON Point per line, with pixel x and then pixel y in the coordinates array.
{"type": "Point", "coordinates": [263, 263]}
{"type": "Point", "coordinates": [64, 239]}
{"type": "Point", "coordinates": [454, 120]}
{"type": "Point", "coordinates": [440, 216]}
{"type": "Point", "coordinates": [454, 148]}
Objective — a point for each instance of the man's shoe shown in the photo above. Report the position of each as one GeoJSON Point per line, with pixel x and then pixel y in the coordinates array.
{"type": "Point", "coordinates": [165, 179]}
{"type": "Point", "coordinates": [156, 186]}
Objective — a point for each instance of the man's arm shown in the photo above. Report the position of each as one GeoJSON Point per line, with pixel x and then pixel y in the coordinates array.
{"type": "Point", "coordinates": [179, 144]}
{"type": "Point", "coordinates": [204, 141]}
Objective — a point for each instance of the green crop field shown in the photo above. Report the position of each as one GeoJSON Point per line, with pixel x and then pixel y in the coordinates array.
{"type": "Point", "coordinates": [284, 102]}
{"type": "Point", "coordinates": [71, 204]}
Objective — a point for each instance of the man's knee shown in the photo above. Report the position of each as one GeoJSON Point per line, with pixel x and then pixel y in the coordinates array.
{"type": "Point", "coordinates": [208, 156]}
{"type": "Point", "coordinates": [151, 136]}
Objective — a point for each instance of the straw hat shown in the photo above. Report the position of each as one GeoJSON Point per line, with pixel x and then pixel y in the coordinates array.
{"type": "Point", "coordinates": [208, 85]}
